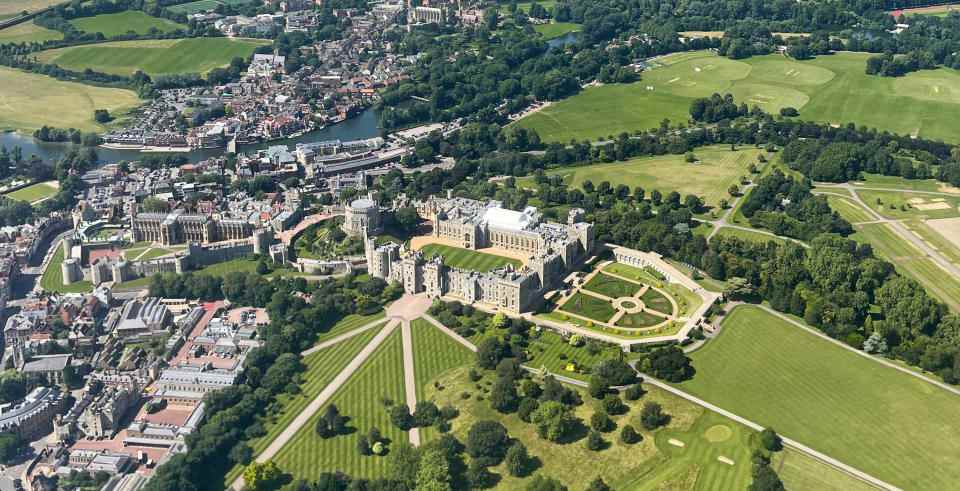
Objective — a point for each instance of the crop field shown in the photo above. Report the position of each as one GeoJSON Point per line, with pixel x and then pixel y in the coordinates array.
{"type": "Point", "coordinates": [119, 23]}
{"type": "Point", "coordinates": [611, 286]}
{"type": "Point", "coordinates": [349, 323]}
{"type": "Point", "coordinates": [307, 455]}
{"type": "Point", "coordinates": [556, 29]}
{"type": "Point", "coordinates": [33, 192]}
{"type": "Point", "coordinates": [879, 420]}
{"type": "Point", "coordinates": [322, 367]}
{"type": "Point", "coordinates": [28, 32]}
{"type": "Point", "coordinates": [11, 8]}
{"type": "Point", "coordinates": [911, 262]}
{"type": "Point", "coordinates": [589, 306]}
{"type": "Point", "coordinates": [26, 99]}
{"type": "Point", "coordinates": [154, 57]}
{"type": "Point", "coordinates": [52, 278]}
{"type": "Point", "coordinates": [831, 89]}
{"type": "Point", "coordinates": [467, 259]}
{"type": "Point", "coordinates": [717, 169]}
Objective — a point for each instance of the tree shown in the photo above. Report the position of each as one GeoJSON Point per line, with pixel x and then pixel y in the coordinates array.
{"type": "Point", "coordinates": [433, 473]}
{"type": "Point", "coordinates": [633, 392]}
{"type": "Point", "coordinates": [9, 447]}
{"type": "Point", "coordinates": [733, 190]}
{"type": "Point", "coordinates": [541, 483]}
{"type": "Point", "coordinates": [503, 395]}
{"type": "Point", "coordinates": [594, 441]}
{"type": "Point", "coordinates": [765, 479]}
{"type": "Point", "coordinates": [517, 460]}
{"type": "Point", "coordinates": [526, 408]}
{"type": "Point", "coordinates": [600, 421]}
{"type": "Point", "coordinates": [597, 386]}
{"type": "Point", "coordinates": [629, 435]}
{"type": "Point", "coordinates": [363, 445]}
{"type": "Point", "coordinates": [671, 364]}
{"type": "Point", "coordinates": [407, 218]}
{"type": "Point", "coordinates": [490, 352]}
{"type": "Point", "coordinates": [487, 440]}
{"type": "Point", "coordinates": [598, 485]}
{"type": "Point", "coordinates": [613, 405]}
{"type": "Point", "coordinates": [652, 416]}
{"type": "Point", "coordinates": [263, 476]}
{"type": "Point", "coordinates": [770, 440]}
{"type": "Point", "coordinates": [102, 116]}
{"type": "Point", "coordinates": [554, 420]}
{"type": "Point", "coordinates": [425, 414]}
{"type": "Point", "coordinates": [400, 416]}
{"type": "Point", "coordinates": [155, 205]}
{"type": "Point", "coordinates": [403, 463]}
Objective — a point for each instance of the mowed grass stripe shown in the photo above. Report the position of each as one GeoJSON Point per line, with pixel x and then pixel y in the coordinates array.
{"type": "Point", "coordinates": [848, 210]}
{"type": "Point", "coordinates": [551, 351]}
{"type": "Point", "coordinates": [349, 323]}
{"type": "Point", "coordinates": [322, 367]}
{"type": "Point", "coordinates": [881, 421]}
{"type": "Point", "coordinates": [307, 455]}
{"type": "Point", "coordinates": [467, 259]}
{"type": "Point", "coordinates": [434, 352]}
{"type": "Point", "coordinates": [33, 192]}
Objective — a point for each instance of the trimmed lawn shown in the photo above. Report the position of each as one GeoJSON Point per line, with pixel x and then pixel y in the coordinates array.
{"type": "Point", "coordinates": [154, 57]}
{"type": "Point", "coordinates": [307, 455]}
{"type": "Point", "coordinates": [27, 99]}
{"type": "Point", "coordinates": [589, 306]}
{"type": "Point", "coordinates": [28, 32]}
{"type": "Point", "coordinates": [34, 192]}
{"type": "Point", "coordinates": [457, 257]}
{"type": "Point", "coordinates": [639, 320]}
{"type": "Point", "coordinates": [656, 301]}
{"type": "Point", "coordinates": [434, 353]}
{"type": "Point", "coordinates": [120, 23]}
{"type": "Point", "coordinates": [322, 367]}
{"type": "Point", "coordinates": [628, 271]}
{"type": "Point", "coordinates": [556, 29]}
{"type": "Point", "coordinates": [830, 89]}
{"type": "Point", "coordinates": [52, 279]}
{"type": "Point", "coordinates": [748, 235]}
{"type": "Point", "coordinates": [881, 421]}
{"type": "Point", "coordinates": [849, 210]}
{"type": "Point", "coordinates": [611, 286]}
{"type": "Point", "coordinates": [910, 205]}
{"type": "Point", "coordinates": [153, 254]}
{"type": "Point", "coordinates": [349, 323]}
{"type": "Point", "coordinates": [894, 182]}
{"type": "Point", "coordinates": [549, 350]}
{"type": "Point", "coordinates": [203, 5]}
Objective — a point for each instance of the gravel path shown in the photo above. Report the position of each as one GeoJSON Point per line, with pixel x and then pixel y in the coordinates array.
{"type": "Point", "coordinates": [409, 378]}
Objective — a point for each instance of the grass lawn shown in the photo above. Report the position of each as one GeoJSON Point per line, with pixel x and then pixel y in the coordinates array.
{"type": "Point", "coordinates": [881, 421]}
{"type": "Point", "coordinates": [28, 32]}
{"type": "Point", "coordinates": [709, 179]}
{"type": "Point", "coordinates": [589, 306]}
{"type": "Point", "coordinates": [243, 265]}
{"type": "Point", "coordinates": [894, 182]}
{"type": "Point", "coordinates": [203, 5]}
{"type": "Point", "coordinates": [307, 455]}
{"type": "Point", "coordinates": [639, 320]}
{"type": "Point", "coordinates": [34, 192]}
{"type": "Point", "coordinates": [628, 271]}
{"type": "Point", "coordinates": [12, 8]}
{"type": "Point", "coordinates": [154, 57]}
{"type": "Point", "coordinates": [52, 279]}
{"type": "Point", "coordinates": [119, 23]}
{"type": "Point", "coordinates": [748, 235]}
{"type": "Point", "coordinates": [349, 323]}
{"type": "Point", "coordinates": [322, 367]}
{"type": "Point", "coordinates": [556, 29]}
{"type": "Point", "coordinates": [136, 284]}
{"type": "Point", "coordinates": [457, 257]}
{"type": "Point", "coordinates": [911, 262]}
{"type": "Point", "coordinates": [434, 353]}
{"type": "Point", "coordinates": [849, 210]}
{"type": "Point", "coordinates": [910, 205]}
{"type": "Point", "coordinates": [927, 231]}
{"type": "Point", "coordinates": [27, 99]}
{"type": "Point", "coordinates": [656, 301]}
{"type": "Point", "coordinates": [611, 286]}
{"type": "Point", "coordinates": [152, 253]}
{"type": "Point", "coordinates": [550, 350]}
{"type": "Point", "coordinates": [831, 89]}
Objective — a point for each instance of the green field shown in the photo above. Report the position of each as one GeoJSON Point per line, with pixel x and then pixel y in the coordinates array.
{"type": "Point", "coordinates": [10, 8]}
{"type": "Point", "coordinates": [556, 29]}
{"type": "Point", "coordinates": [849, 210]}
{"type": "Point", "coordinates": [639, 320]}
{"type": "Point", "coordinates": [881, 421]}
{"type": "Point", "coordinates": [749, 235]}
{"type": "Point", "coordinates": [611, 286]}
{"type": "Point", "coordinates": [434, 353]}
{"type": "Point", "coordinates": [899, 204]}
{"type": "Point", "coordinates": [27, 99]}
{"type": "Point", "coordinates": [322, 367]}
{"type": "Point", "coordinates": [457, 257]}
{"type": "Point", "coordinates": [52, 279]}
{"type": "Point", "coordinates": [203, 6]}
{"type": "Point", "coordinates": [307, 455]}
{"type": "Point", "coordinates": [893, 182]}
{"type": "Point", "coordinates": [28, 32]}
{"type": "Point", "coordinates": [154, 57]}
{"type": "Point", "coordinates": [34, 192]}
{"type": "Point", "coordinates": [589, 306]}
{"type": "Point", "coordinates": [831, 89]}
{"type": "Point", "coordinates": [710, 178]}
{"type": "Point", "coordinates": [656, 301]}
{"type": "Point", "coordinates": [349, 323]}
{"type": "Point", "coordinates": [552, 352]}
{"type": "Point", "coordinates": [120, 23]}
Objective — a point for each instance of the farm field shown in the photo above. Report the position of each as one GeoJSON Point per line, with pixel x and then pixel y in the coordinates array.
{"type": "Point", "coordinates": [52, 278]}
{"type": "Point", "coordinates": [710, 178]}
{"type": "Point", "coordinates": [154, 57]}
{"type": "Point", "coordinates": [28, 32]}
{"type": "Point", "coordinates": [832, 89]}
{"type": "Point", "coordinates": [911, 262]}
{"type": "Point", "coordinates": [849, 407]}
{"type": "Point", "coordinates": [556, 29]}
{"type": "Point", "coordinates": [307, 455]}
{"type": "Point", "coordinates": [26, 96]}
{"type": "Point", "coordinates": [321, 368]}
{"type": "Point", "coordinates": [34, 192]}
{"type": "Point", "coordinates": [467, 259]}
{"type": "Point", "coordinates": [120, 23]}
{"type": "Point", "coordinates": [11, 8]}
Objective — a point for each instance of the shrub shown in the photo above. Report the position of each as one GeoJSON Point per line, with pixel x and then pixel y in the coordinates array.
{"type": "Point", "coordinates": [600, 421]}
{"type": "Point", "coordinates": [518, 460]}
{"type": "Point", "coordinates": [613, 405]}
{"type": "Point", "coordinates": [594, 441]}
{"type": "Point", "coordinates": [526, 408]}
{"type": "Point", "coordinates": [633, 392]}
{"type": "Point", "coordinates": [487, 439]}
{"type": "Point", "coordinates": [652, 416]}
{"type": "Point", "coordinates": [629, 435]}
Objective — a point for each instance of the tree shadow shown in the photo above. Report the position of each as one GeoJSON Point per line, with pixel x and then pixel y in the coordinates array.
{"type": "Point", "coordinates": [578, 432]}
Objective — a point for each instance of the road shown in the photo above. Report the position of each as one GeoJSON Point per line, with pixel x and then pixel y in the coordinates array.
{"type": "Point", "coordinates": [898, 228]}
{"type": "Point", "coordinates": [409, 378]}
{"type": "Point", "coordinates": [288, 433]}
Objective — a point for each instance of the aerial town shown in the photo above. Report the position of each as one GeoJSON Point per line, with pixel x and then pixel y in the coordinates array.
{"type": "Point", "coordinates": [451, 245]}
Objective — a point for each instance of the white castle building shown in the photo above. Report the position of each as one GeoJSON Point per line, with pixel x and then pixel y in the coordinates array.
{"type": "Point", "coordinates": [553, 249]}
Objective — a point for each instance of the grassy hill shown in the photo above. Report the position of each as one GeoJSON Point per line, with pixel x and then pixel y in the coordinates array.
{"type": "Point", "coordinates": [831, 89]}
{"type": "Point", "coordinates": [123, 22]}
{"type": "Point", "coordinates": [11, 8]}
{"type": "Point", "coordinates": [28, 32]}
{"type": "Point", "coordinates": [155, 57]}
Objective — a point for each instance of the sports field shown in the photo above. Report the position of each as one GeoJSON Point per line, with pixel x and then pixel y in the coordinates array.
{"type": "Point", "coordinates": [831, 89]}
{"type": "Point", "coordinates": [34, 192]}
{"type": "Point", "coordinates": [26, 99]}
{"type": "Point", "coordinates": [10, 8]}
{"type": "Point", "coordinates": [307, 455]}
{"type": "Point", "coordinates": [119, 23]}
{"type": "Point", "coordinates": [28, 32]}
{"type": "Point", "coordinates": [884, 422]}
{"type": "Point", "coordinates": [466, 259]}
{"type": "Point", "coordinates": [154, 57]}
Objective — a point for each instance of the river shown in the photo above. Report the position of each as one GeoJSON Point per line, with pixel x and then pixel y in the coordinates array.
{"type": "Point", "coordinates": [359, 127]}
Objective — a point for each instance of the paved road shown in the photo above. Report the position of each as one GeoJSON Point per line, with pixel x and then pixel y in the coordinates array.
{"type": "Point", "coordinates": [321, 399]}
{"type": "Point", "coordinates": [343, 337]}
{"type": "Point", "coordinates": [902, 231]}
{"type": "Point", "coordinates": [409, 377]}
